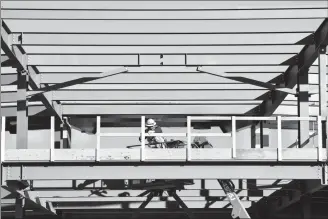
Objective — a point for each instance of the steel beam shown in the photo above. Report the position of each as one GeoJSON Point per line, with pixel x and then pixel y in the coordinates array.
{"type": "Point", "coordinates": [306, 58]}
{"type": "Point", "coordinates": [77, 81]}
{"type": "Point", "coordinates": [18, 54]}
{"type": "Point", "coordinates": [173, 78]}
{"type": "Point", "coordinates": [158, 60]}
{"type": "Point", "coordinates": [167, 172]}
{"type": "Point", "coordinates": [165, 26]}
{"type": "Point", "coordinates": [35, 39]}
{"type": "Point", "coordinates": [163, 15]}
{"type": "Point", "coordinates": [179, 5]}
{"type": "Point", "coordinates": [183, 205]}
{"type": "Point", "coordinates": [163, 109]}
{"type": "Point", "coordinates": [143, 205]}
{"type": "Point", "coordinates": [155, 95]}
{"type": "Point", "coordinates": [258, 70]}
{"type": "Point", "coordinates": [22, 111]}
{"type": "Point", "coordinates": [306, 211]}
{"type": "Point", "coordinates": [323, 71]}
{"type": "Point", "coordinates": [19, 207]}
{"type": "Point", "coordinates": [25, 196]}
{"type": "Point", "coordinates": [177, 49]}
{"type": "Point", "coordinates": [303, 107]}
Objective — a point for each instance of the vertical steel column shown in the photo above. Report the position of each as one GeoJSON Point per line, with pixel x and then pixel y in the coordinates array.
{"type": "Point", "coordinates": [143, 134]}
{"type": "Point", "coordinates": [261, 134]}
{"type": "Point", "coordinates": [98, 138]}
{"type": "Point", "coordinates": [1, 131]}
{"type": "Point", "coordinates": [189, 138]}
{"type": "Point", "coordinates": [58, 134]}
{"type": "Point", "coordinates": [66, 133]}
{"type": "Point", "coordinates": [253, 136]}
{"type": "Point", "coordinates": [305, 207]}
{"type": "Point", "coordinates": [323, 70]}
{"type": "Point", "coordinates": [303, 107]}
{"type": "Point", "coordinates": [52, 138]}
{"type": "Point", "coordinates": [3, 139]}
{"type": "Point", "coordinates": [234, 137]}
{"type": "Point", "coordinates": [22, 110]}
{"type": "Point", "coordinates": [19, 207]}
{"type": "Point", "coordinates": [279, 141]}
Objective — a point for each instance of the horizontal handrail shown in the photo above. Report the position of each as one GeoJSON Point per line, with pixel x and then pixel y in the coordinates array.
{"type": "Point", "coordinates": [188, 134]}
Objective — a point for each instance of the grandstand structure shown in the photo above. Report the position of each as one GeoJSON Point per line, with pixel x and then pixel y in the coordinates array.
{"type": "Point", "coordinates": [79, 79]}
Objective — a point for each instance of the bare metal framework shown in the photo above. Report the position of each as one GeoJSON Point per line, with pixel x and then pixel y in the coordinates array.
{"type": "Point", "coordinates": [79, 80]}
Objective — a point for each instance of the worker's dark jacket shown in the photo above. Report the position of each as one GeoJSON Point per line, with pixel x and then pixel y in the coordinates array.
{"type": "Point", "coordinates": [158, 129]}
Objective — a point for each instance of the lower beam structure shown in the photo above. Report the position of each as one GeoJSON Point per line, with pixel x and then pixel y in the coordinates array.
{"type": "Point", "coordinates": [158, 171]}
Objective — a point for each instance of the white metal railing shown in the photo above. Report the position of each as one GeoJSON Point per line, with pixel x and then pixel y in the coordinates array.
{"type": "Point", "coordinates": [188, 134]}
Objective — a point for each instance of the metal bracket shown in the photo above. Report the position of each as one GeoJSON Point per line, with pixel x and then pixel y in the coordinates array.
{"type": "Point", "coordinates": [238, 210]}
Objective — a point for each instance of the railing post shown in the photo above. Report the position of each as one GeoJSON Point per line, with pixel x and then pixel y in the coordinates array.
{"type": "Point", "coordinates": [3, 139]}
{"type": "Point", "coordinates": [188, 138]}
{"type": "Point", "coordinates": [279, 146]}
{"type": "Point", "coordinates": [142, 151]}
{"type": "Point", "coordinates": [52, 138]}
{"type": "Point", "coordinates": [319, 122]}
{"type": "Point", "coordinates": [98, 139]}
{"type": "Point", "coordinates": [233, 135]}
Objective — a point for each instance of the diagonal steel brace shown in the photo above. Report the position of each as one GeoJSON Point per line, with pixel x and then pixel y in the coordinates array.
{"type": "Point", "coordinates": [238, 210]}
{"type": "Point", "coordinates": [143, 205]}
{"type": "Point", "coordinates": [183, 205]}
{"type": "Point", "coordinates": [77, 81]}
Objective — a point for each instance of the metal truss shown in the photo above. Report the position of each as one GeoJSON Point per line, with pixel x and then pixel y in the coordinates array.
{"type": "Point", "coordinates": [190, 67]}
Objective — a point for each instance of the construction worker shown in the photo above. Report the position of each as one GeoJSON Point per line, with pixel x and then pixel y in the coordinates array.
{"type": "Point", "coordinates": [151, 128]}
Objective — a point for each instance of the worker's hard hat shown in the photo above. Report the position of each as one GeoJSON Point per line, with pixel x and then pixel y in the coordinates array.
{"type": "Point", "coordinates": [150, 123]}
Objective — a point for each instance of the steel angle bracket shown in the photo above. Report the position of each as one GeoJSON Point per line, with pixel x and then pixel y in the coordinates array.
{"type": "Point", "coordinates": [238, 209]}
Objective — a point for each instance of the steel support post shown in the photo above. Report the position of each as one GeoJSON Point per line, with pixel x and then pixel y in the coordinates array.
{"type": "Point", "coordinates": [303, 106]}
{"type": "Point", "coordinates": [253, 136]}
{"type": "Point", "coordinates": [1, 152]}
{"type": "Point", "coordinates": [323, 70]}
{"type": "Point", "coordinates": [66, 133]}
{"type": "Point", "coordinates": [19, 207]}
{"type": "Point", "coordinates": [22, 111]}
{"type": "Point", "coordinates": [305, 207]}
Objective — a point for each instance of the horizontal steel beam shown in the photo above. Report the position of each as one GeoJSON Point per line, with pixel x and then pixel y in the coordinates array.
{"type": "Point", "coordinates": [160, 79]}
{"type": "Point", "coordinates": [77, 204]}
{"type": "Point", "coordinates": [11, 111]}
{"type": "Point", "coordinates": [216, 154]}
{"type": "Point", "coordinates": [154, 95]}
{"type": "Point", "coordinates": [164, 15]}
{"type": "Point", "coordinates": [154, 40]}
{"type": "Point", "coordinates": [134, 108]}
{"type": "Point", "coordinates": [151, 60]}
{"type": "Point", "coordinates": [101, 109]}
{"type": "Point", "coordinates": [167, 69]}
{"type": "Point", "coordinates": [164, 26]}
{"type": "Point", "coordinates": [110, 193]}
{"type": "Point", "coordinates": [196, 49]}
{"type": "Point", "coordinates": [25, 172]}
{"type": "Point", "coordinates": [178, 5]}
